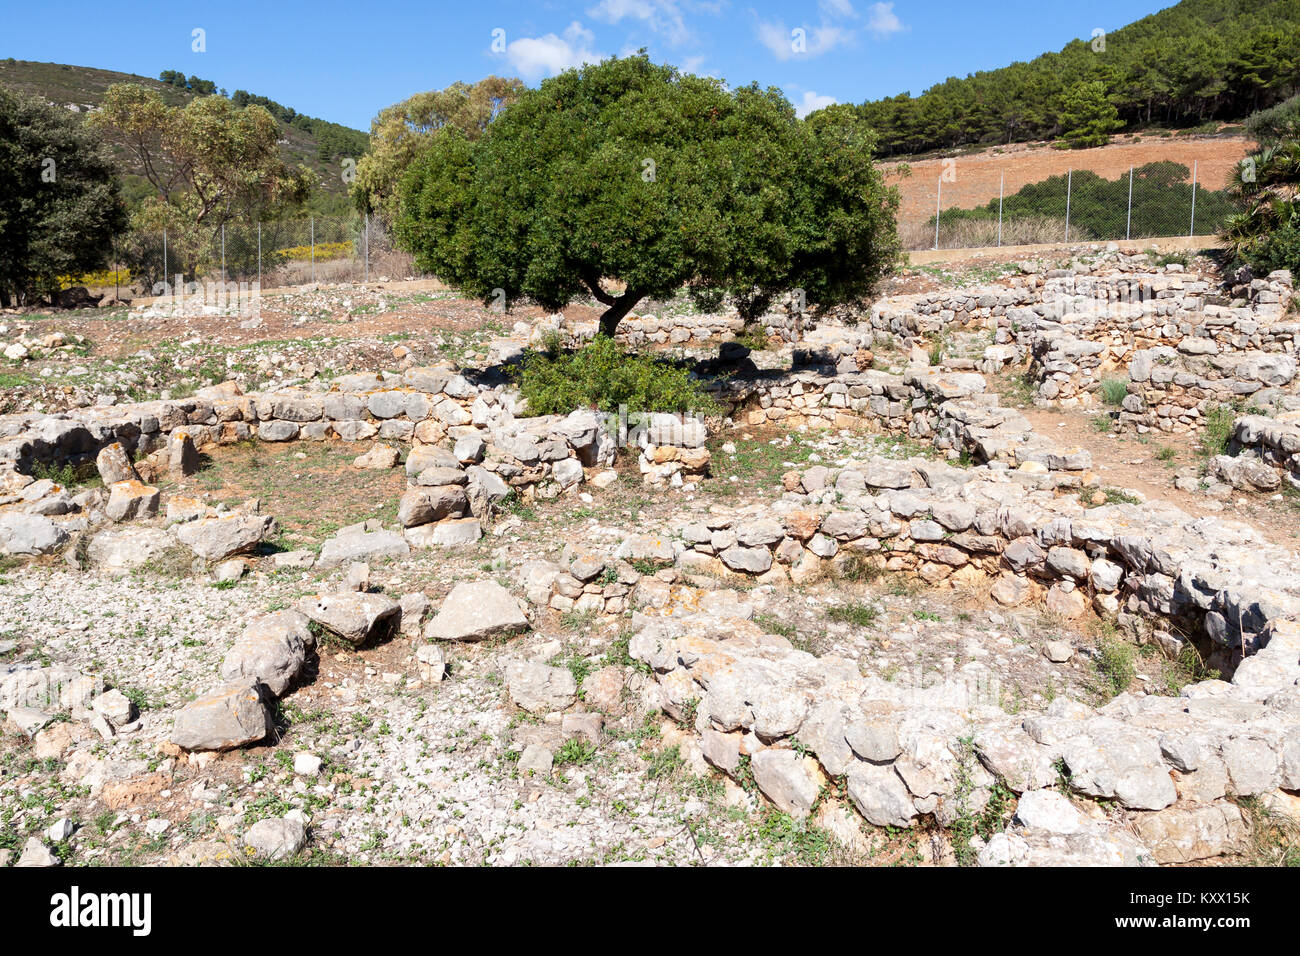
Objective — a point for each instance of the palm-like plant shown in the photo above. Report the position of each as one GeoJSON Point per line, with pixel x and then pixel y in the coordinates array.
{"type": "Point", "coordinates": [1267, 186]}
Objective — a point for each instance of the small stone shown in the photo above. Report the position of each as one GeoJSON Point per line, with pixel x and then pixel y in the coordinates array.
{"type": "Point", "coordinates": [273, 839]}
{"type": "Point", "coordinates": [60, 830]}
{"type": "Point", "coordinates": [306, 764]}
{"type": "Point", "coordinates": [536, 759]}
{"type": "Point", "coordinates": [1058, 652]}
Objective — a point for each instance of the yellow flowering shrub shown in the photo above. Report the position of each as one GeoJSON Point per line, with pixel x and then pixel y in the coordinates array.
{"type": "Point", "coordinates": [324, 250]}
{"type": "Point", "coordinates": [103, 277]}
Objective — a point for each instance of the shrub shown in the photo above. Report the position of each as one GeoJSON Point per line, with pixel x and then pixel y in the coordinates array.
{"type": "Point", "coordinates": [1115, 663]}
{"type": "Point", "coordinates": [1113, 391]}
{"type": "Point", "coordinates": [603, 375]}
{"type": "Point", "coordinates": [1219, 422]}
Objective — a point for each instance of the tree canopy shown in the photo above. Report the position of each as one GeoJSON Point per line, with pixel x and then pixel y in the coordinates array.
{"type": "Point", "coordinates": [1266, 233]}
{"type": "Point", "coordinates": [59, 201]}
{"type": "Point", "coordinates": [402, 130]}
{"type": "Point", "coordinates": [627, 179]}
{"type": "Point", "coordinates": [208, 162]}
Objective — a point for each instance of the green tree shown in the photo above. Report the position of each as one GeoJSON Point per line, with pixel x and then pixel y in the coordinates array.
{"type": "Point", "coordinates": [209, 162]}
{"type": "Point", "coordinates": [401, 131]}
{"type": "Point", "coordinates": [59, 201]}
{"type": "Point", "coordinates": [628, 179]}
{"type": "Point", "coordinates": [1087, 116]}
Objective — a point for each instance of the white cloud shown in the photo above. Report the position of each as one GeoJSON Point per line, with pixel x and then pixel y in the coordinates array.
{"type": "Point", "coordinates": [814, 41]}
{"type": "Point", "coordinates": [831, 32]}
{"type": "Point", "coordinates": [811, 101]}
{"type": "Point", "coordinates": [537, 57]}
{"type": "Point", "coordinates": [662, 16]}
{"type": "Point", "coordinates": [838, 8]}
{"type": "Point", "coordinates": [882, 21]}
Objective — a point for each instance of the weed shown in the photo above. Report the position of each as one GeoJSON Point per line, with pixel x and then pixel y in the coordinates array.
{"type": "Point", "coordinates": [858, 614]}
{"type": "Point", "coordinates": [576, 752]}
{"type": "Point", "coordinates": [1113, 391]}
{"type": "Point", "coordinates": [1217, 433]}
{"type": "Point", "coordinates": [1114, 663]}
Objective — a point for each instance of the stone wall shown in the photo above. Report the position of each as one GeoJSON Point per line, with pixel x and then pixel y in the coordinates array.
{"type": "Point", "coordinates": [950, 410]}
{"type": "Point", "coordinates": [1263, 454]}
{"type": "Point", "coordinates": [1185, 341]}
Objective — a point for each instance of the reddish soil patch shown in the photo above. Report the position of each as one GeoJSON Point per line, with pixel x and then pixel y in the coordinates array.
{"type": "Point", "coordinates": [979, 174]}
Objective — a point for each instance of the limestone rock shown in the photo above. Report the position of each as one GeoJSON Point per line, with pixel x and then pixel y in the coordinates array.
{"type": "Point", "coordinates": [227, 718]}
{"type": "Point", "coordinates": [538, 688]}
{"type": "Point", "coordinates": [358, 618]}
{"type": "Point", "coordinates": [477, 610]}
{"type": "Point", "coordinates": [272, 649]}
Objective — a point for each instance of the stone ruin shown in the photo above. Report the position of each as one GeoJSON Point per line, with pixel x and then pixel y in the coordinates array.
{"type": "Point", "coordinates": [998, 512]}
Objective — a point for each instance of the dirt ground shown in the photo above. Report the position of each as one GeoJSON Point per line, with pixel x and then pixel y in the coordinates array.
{"type": "Point", "coordinates": [978, 175]}
{"type": "Point", "coordinates": [1147, 464]}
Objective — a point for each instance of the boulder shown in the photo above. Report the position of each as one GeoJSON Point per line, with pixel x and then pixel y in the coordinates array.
{"type": "Point", "coordinates": [119, 551]}
{"type": "Point", "coordinates": [132, 499]}
{"type": "Point", "coordinates": [880, 796]}
{"type": "Point", "coordinates": [540, 689]}
{"type": "Point", "coordinates": [356, 617]}
{"type": "Point", "coordinates": [272, 649]}
{"type": "Point", "coordinates": [421, 506]}
{"type": "Point", "coordinates": [215, 539]}
{"type": "Point", "coordinates": [790, 781]}
{"type": "Point", "coordinates": [230, 717]}
{"type": "Point", "coordinates": [477, 610]}
{"type": "Point", "coordinates": [29, 534]}
{"type": "Point", "coordinates": [114, 465]}
{"type": "Point", "coordinates": [362, 546]}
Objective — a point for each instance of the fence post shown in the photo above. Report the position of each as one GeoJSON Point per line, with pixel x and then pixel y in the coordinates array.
{"type": "Point", "coordinates": [367, 245]}
{"type": "Point", "coordinates": [938, 198]}
{"type": "Point", "coordinates": [164, 255]}
{"type": "Point", "coordinates": [1128, 226]}
{"type": "Point", "coordinates": [259, 256]}
{"type": "Point", "coordinates": [1001, 188]}
{"type": "Point", "coordinates": [313, 248]}
{"type": "Point", "coordinates": [223, 252]}
{"type": "Point", "coordinates": [1069, 187]}
{"type": "Point", "coordinates": [1191, 229]}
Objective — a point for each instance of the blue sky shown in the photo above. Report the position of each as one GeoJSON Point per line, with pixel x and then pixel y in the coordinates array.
{"type": "Point", "coordinates": [344, 61]}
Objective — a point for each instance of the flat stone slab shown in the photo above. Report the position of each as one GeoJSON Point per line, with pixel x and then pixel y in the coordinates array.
{"type": "Point", "coordinates": [474, 611]}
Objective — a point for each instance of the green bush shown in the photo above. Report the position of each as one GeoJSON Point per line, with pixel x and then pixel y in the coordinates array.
{"type": "Point", "coordinates": [1113, 391]}
{"type": "Point", "coordinates": [604, 376]}
{"type": "Point", "coordinates": [1115, 661]}
{"type": "Point", "coordinates": [1219, 423]}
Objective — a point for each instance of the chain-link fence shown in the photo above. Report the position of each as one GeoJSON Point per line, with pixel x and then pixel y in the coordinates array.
{"type": "Point", "coordinates": [1155, 200]}
{"type": "Point", "coordinates": [283, 252]}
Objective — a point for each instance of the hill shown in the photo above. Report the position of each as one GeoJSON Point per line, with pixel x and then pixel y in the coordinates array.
{"type": "Point", "coordinates": [1201, 62]}
{"type": "Point", "coordinates": [317, 144]}
{"type": "Point", "coordinates": [980, 175]}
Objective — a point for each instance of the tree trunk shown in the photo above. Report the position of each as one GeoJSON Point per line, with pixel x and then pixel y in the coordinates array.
{"type": "Point", "coordinates": [616, 310]}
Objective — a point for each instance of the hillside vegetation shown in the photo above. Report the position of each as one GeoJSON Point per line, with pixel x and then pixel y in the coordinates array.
{"type": "Point", "coordinates": [1199, 62]}
{"type": "Point", "coordinates": [317, 144]}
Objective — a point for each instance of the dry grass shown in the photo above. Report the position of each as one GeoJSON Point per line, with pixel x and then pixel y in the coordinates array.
{"type": "Point", "coordinates": [972, 234]}
{"type": "Point", "coordinates": [392, 263]}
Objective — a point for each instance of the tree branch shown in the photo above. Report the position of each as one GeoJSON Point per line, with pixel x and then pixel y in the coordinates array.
{"type": "Point", "coordinates": [592, 282]}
